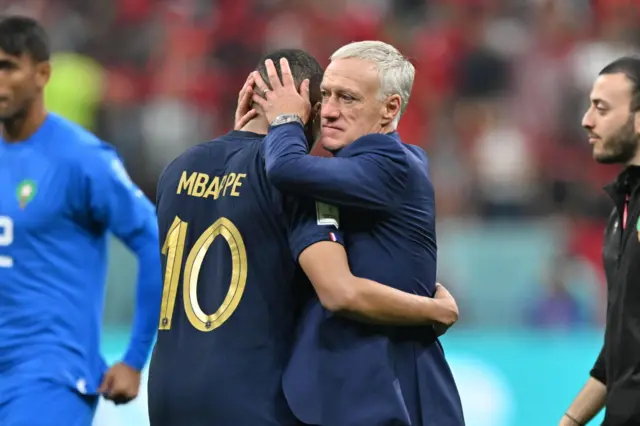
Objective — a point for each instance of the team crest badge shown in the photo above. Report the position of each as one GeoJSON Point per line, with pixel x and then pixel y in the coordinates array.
{"type": "Point", "coordinates": [25, 192]}
{"type": "Point", "coordinates": [327, 214]}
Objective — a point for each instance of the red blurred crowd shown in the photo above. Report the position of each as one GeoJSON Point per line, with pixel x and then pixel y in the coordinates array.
{"type": "Point", "coordinates": [500, 87]}
{"type": "Point", "coordinates": [500, 90]}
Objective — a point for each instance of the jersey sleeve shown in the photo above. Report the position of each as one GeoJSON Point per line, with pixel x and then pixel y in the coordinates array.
{"type": "Point", "coordinates": [117, 204]}
{"type": "Point", "coordinates": [311, 222]}
{"type": "Point", "coordinates": [371, 173]}
{"type": "Point", "coordinates": [599, 372]}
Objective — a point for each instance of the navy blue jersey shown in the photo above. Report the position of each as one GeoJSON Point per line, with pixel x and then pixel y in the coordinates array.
{"type": "Point", "coordinates": [61, 192]}
{"type": "Point", "coordinates": [232, 287]}
{"type": "Point", "coordinates": [369, 374]}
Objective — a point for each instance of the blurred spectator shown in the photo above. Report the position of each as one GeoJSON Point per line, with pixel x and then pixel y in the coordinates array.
{"type": "Point", "coordinates": [69, 72]}
{"type": "Point", "coordinates": [558, 304]}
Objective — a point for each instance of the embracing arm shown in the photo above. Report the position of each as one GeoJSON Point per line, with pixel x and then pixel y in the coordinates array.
{"type": "Point", "coordinates": [371, 173]}
{"type": "Point", "coordinates": [325, 264]}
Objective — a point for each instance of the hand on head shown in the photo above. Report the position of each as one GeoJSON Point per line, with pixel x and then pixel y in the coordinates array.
{"type": "Point", "coordinates": [244, 111]}
{"type": "Point", "coordinates": [284, 97]}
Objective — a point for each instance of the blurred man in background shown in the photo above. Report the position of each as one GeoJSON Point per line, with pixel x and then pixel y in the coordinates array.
{"type": "Point", "coordinates": [220, 188]}
{"type": "Point", "coordinates": [61, 191]}
{"type": "Point", "coordinates": [388, 214]}
{"type": "Point", "coordinates": [613, 124]}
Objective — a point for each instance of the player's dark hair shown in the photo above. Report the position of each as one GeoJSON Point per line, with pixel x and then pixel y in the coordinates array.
{"type": "Point", "coordinates": [630, 67]}
{"type": "Point", "coordinates": [303, 66]}
{"type": "Point", "coordinates": [20, 35]}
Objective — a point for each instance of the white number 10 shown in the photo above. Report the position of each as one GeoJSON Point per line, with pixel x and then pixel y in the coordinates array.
{"type": "Point", "coordinates": [6, 238]}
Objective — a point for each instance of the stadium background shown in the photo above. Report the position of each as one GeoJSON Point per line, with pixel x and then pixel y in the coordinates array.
{"type": "Point", "coordinates": [499, 92]}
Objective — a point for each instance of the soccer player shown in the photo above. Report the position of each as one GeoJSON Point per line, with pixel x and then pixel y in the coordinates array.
{"type": "Point", "coordinates": [367, 374]}
{"type": "Point", "coordinates": [61, 191]}
{"type": "Point", "coordinates": [613, 125]}
{"type": "Point", "coordinates": [234, 252]}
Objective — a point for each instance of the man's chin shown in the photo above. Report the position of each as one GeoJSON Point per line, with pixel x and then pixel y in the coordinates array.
{"type": "Point", "coordinates": [331, 144]}
{"type": "Point", "coordinates": [608, 158]}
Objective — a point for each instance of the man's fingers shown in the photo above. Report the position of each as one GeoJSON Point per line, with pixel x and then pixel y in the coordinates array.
{"type": "Point", "coordinates": [250, 115]}
{"type": "Point", "coordinates": [287, 76]}
{"type": "Point", "coordinates": [304, 88]}
{"type": "Point", "coordinates": [107, 384]}
{"type": "Point", "coordinates": [259, 100]}
{"type": "Point", "coordinates": [246, 119]}
{"type": "Point", "coordinates": [242, 92]}
{"type": "Point", "coordinates": [247, 87]}
{"type": "Point", "coordinates": [274, 80]}
{"type": "Point", "coordinates": [260, 84]}
{"type": "Point", "coordinates": [119, 388]}
{"type": "Point", "coordinates": [244, 104]}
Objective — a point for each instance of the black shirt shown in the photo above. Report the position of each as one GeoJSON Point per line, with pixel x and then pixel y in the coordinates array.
{"type": "Point", "coordinates": [618, 365]}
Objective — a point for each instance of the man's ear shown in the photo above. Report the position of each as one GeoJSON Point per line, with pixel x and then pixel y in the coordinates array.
{"type": "Point", "coordinates": [391, 109]}
{"type": "Point", "coordinates": [43, 74]}
{"type": "Point", "coordinates": [315, 110]}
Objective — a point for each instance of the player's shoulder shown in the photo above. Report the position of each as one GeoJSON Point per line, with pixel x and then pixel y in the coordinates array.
{"type": "Point", "coordinates": [418, 152]}
{"type": "Point", "coordinates": [214, 153]}
{"type": "Point", "coordinates": [77, 145]}
{"type": "Point", "coordinates": [213, 157]}
{"type": "Point", "coordinates": [378, 143]}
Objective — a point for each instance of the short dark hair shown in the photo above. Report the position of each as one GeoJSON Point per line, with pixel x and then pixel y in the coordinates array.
{"type": "Point", "coordinates": [20, 35]}
{"type": "Point", "coordinates": [303, 66]}
{"type": "Point", "coordinates": [630, 67]}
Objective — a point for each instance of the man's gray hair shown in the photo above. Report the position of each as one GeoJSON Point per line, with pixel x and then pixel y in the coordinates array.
{"type": "Point", "coordinates": [395, 71]}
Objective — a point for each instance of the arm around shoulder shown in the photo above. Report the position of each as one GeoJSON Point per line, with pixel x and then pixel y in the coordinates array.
{"type": "Point", "coordinates": [325, 264]}
{"type": "Point", "coordinates": [371, 173]}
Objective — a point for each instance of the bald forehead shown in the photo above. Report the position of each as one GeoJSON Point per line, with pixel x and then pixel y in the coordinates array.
{"type": "Point", "coordinates": [613, 89]}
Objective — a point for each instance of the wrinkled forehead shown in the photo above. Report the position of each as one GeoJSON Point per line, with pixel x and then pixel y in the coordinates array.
{"type": "Point", "coordinates": [613, 89]}
{"type": "Point", "coordinates": [351, 75]}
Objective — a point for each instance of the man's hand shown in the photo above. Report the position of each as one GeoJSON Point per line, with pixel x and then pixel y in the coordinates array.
{"type": "Point", "coordinates": [121, 383]}
{"type": "Point", "coordinates": [244, 112]}
{"type": "Point", "coordinates": [284, 98]}
{"type": "Point", "coordinates": [450, 306]}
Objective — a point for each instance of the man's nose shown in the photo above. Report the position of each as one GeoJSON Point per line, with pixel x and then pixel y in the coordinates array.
{"type": "Point", "coordinates": [587, 120]}
{"type": "Point", "coordinates": [330, 110]}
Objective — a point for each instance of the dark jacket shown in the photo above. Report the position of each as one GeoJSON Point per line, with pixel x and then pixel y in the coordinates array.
{"type": "Point", "coordinates": [618, 365]}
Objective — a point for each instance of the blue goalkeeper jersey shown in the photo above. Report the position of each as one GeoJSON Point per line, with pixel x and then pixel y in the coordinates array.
{"type": "Point", "coordinates": [61, 191]}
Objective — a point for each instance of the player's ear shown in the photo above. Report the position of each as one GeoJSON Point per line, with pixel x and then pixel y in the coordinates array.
{"type": "Point", "coordinates": [316, 121]}
{"type": "Point", "coordinates": [636, 122]}
{"type": "Point", "coordinates": [315, 110]}
{"type": "Point", "coordinates": [391, 109]}
{"type": "Point", "coordinates": [43, 74]}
